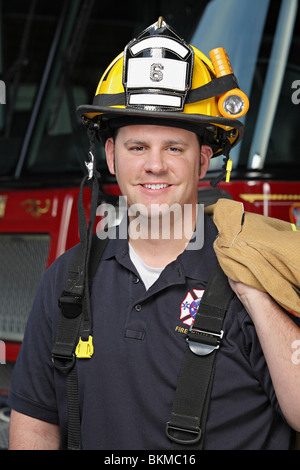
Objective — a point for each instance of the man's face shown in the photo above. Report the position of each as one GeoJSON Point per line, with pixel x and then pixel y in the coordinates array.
{"type": "Point", "coordinates": [157, 165]}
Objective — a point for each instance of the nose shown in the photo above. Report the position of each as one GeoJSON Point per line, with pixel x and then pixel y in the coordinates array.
{"type": "Point", "coordinates": [155, 162]}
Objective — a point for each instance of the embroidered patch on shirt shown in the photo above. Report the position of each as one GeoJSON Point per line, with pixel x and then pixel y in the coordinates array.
{"type": "Point", "coordinates": [190, 305]}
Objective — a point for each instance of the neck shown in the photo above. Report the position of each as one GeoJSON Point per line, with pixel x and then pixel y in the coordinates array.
{"type": "Point", "coordinates": [159, 240]}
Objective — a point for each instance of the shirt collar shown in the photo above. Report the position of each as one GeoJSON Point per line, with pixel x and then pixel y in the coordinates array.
{"type": "Point", "coordinates": [196, 264]}
{"type": "Point", "coordinates": [199, 264]}
{"type": "Point", "coordinates": [118, 244]}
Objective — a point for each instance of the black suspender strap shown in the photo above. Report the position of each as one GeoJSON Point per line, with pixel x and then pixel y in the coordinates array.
{"type": "Point", "coordinates": [71, 326]}
{"type": "Point", "coordinates": [187, 422]}
{"type": "Point", "coordinates": [74, 334]}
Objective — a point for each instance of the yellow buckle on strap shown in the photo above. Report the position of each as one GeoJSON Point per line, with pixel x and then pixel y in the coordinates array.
{"type": "Point", "coordinates": [228, 170]}
{"type": "Point", "coordinates": [85, 349]}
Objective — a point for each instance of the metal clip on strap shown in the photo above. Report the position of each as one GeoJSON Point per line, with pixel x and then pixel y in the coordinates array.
{"type": "Point", "coordinates": [203, 342]}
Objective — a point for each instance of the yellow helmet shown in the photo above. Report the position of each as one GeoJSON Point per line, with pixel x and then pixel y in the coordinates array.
{"type": "Point", "coordinates": [161, 79]}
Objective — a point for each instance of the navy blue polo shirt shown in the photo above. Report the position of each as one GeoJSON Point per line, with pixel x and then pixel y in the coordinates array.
{"type": "Point", "coordinates": [127, 387]}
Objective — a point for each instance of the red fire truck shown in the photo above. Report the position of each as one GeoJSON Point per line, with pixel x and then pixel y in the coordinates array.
{"type": "Point", "coordinates": [52, 55]}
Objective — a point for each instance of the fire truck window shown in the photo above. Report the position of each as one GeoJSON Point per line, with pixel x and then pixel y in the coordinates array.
{"type": "Point", "coordinates": [26, 32]}
{"type": "Point", "coordinates": [283, 146]}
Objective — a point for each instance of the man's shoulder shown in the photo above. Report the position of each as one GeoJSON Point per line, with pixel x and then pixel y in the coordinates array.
{"type": "Point", "coordinates": [65, 258]}
{"type": "Point", "coordinates": [58, 270]}
{"type": "Point", "coordinates": [210, 226]}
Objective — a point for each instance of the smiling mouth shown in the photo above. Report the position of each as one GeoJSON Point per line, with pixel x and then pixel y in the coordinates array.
{"type": "Point", "coordinates": [156, 186]}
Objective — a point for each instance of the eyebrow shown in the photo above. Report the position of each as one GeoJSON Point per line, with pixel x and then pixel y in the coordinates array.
{"type": "Point", "coordinates": [135, 142]}
{"type": "Point", "coordinates": [177, 142]}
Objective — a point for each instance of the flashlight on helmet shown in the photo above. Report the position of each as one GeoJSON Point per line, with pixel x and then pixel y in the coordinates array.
{"type": "Point", "coordinates": [234, 103]}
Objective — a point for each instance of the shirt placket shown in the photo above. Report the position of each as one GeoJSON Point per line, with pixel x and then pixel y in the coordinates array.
{"type": "Point", "coordinates": [139, 305]}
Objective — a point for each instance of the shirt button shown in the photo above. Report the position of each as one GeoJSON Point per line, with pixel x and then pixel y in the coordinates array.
{"type": "Point", "coordinates": [138, 307]}
{"type": "Point", "coordinates": [136, 280]}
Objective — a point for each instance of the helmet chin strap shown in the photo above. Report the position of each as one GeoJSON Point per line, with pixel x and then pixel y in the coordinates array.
{"type": "Point", "coordinates": [227, 165]}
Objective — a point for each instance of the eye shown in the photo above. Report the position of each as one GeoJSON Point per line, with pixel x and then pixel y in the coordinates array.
{"type": "Point", "coordinates": [137, 148]}
{"type": "Point", "coordinates": [175, 150]}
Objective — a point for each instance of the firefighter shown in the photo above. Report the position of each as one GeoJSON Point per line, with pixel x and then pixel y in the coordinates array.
{"type": "Point", "coordinates": [163, 111]}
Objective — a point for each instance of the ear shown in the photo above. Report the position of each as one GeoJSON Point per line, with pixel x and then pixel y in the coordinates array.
{"type": "Point", "coordinates": [206, 154]}
{"type": "Point", "coordinates": [110, 155]}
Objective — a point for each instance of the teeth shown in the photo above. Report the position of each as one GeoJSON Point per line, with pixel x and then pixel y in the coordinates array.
{"type": "Point", "coordinates": [155, 186]}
